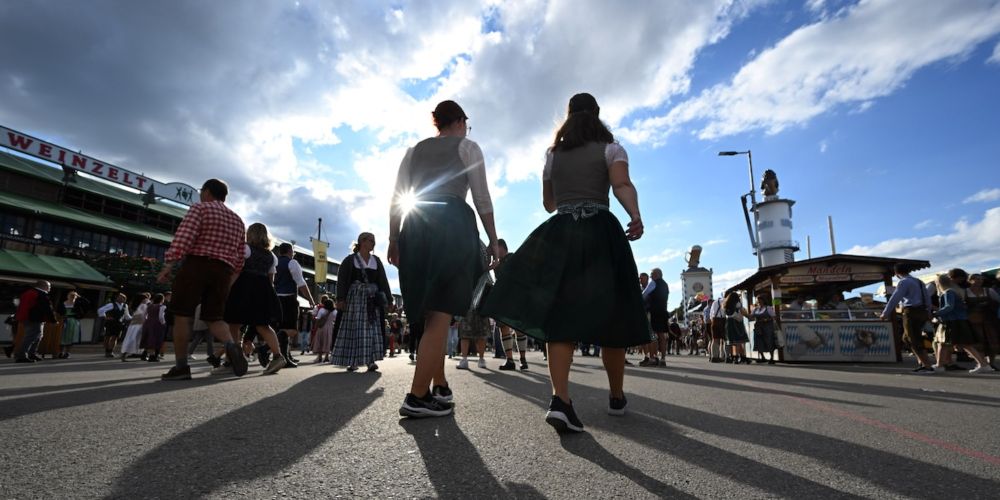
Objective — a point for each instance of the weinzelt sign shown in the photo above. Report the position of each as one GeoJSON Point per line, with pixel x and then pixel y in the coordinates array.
{"type": "Point", "coordinates": [74, 161]}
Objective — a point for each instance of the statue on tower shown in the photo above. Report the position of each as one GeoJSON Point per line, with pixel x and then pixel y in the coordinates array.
{"type": "Point", "coordinates": [769, 183]}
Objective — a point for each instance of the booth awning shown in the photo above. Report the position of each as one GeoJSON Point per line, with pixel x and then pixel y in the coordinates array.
{"type": "Point", "coordinates": [27, 265]}
{"type": "Point", "coordinates": [846, 279]}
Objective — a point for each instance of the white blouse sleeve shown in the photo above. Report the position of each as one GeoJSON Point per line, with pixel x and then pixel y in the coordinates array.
{"type": "Point", "coordinates": [614, 152]}
{"type": "Point", "coordinates": [274, 264]}
{"type": "Point", "coordinates": [402, 179]}
{"type": "Point", "coordinates": [472, 157]}
{"type": "Point", "coordinates": [547, 169]}
{"type": "Point", "coordinates": [246, 251]}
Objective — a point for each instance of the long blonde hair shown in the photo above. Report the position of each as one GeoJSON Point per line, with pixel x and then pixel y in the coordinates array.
{"type": "Point", "coordinates": [258, 236]}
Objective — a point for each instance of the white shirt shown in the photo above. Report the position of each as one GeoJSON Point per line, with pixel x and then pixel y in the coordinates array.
{"type": "Point", "coordinates": [103, 311]}
{"type": "Point", "coordinates": [475, 172]}
{"type": "Point", "coordinates": [359, 262]}
{"type": "Point", "coordinates": [649, 289]}
{"type": "Point", "coordinates": [613, 152]}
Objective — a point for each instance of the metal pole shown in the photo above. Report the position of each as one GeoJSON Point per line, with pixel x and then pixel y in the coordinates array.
{"type": "Point", "coordinates": [833, 244]}
{"type": "Point", "coordinates": [809, 248]}
{"type": "Point", "coordinates": [753, 208]}
{"type": "Point", "coordinates": [319, 230]}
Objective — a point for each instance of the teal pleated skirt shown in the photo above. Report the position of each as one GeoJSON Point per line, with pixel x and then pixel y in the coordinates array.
{"type": "Point", "coordinates": [573, 280]}
{"type": "Point", "coordinates": [440, 258]}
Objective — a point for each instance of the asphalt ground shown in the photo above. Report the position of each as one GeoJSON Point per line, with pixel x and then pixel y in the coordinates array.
{"type": "Point", "coordinates": [88, 427]}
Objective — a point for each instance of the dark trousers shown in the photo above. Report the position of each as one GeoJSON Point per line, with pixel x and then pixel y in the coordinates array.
{"type": "Point", "coordinates": [29, 343]}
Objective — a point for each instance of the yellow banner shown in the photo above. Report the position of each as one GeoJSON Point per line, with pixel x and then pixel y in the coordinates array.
{"type": "Point", "coordinates": [319, 254]}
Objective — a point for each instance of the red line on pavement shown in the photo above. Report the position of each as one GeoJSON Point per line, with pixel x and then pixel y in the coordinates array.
{"type": "Point", "coordinates": [916, 436]}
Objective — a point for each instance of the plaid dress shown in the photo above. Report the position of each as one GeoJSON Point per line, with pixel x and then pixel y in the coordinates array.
{"type": "Point", "coordinates": [359, 339]}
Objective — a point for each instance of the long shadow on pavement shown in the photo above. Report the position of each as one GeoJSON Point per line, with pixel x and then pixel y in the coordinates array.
{"type": "Point", "coordinates": [205, 458]}
{"type": "Point", "coordinates": [891, 471]}
{"type": "Point", "coordinates": [47, 402]}
{"type": "Point", "coordinates": [42, 389]}
{"type": "Point", "coordinates": [691, 378]}
{"type": "Point", "coordinates": [832, 385]}
{"type": "Point", "coordinates": [453, 464]}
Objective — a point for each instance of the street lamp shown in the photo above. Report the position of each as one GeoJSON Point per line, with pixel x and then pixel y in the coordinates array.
{"type": "Point", "coordinates": [753, 204]}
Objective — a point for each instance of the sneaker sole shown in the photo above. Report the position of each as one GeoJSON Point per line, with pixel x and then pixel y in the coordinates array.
{"type": "Point", "coordinates": [409, 411]}
{"type": "Point", "coordinates": [561, 423]}
{"type": "Point", "coordinates": [239, 362]}
{"type": "Point", "coordinates": [176, 377]}
{"type": "Point", "coordinates": [617, 413]}
{"type": "Point", "coordinates": [444, 399]}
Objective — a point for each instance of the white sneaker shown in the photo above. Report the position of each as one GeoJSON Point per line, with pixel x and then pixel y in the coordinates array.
{"type": "Point", "coordinates": [482, 363]}
{"type": "Point", "coordinates": [463, 364]}
{"type": "Point", "coordinates": [979, 369]}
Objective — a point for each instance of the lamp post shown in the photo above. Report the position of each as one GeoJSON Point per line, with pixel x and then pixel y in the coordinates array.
{"type": "Point", "coordinates": [753, 203]}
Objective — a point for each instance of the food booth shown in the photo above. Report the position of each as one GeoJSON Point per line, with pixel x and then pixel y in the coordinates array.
{"type": "Point", "coordinates": [821, 327]}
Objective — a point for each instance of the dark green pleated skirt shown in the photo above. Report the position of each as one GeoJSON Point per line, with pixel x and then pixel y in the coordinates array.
{"type": "Point", "coordinates": [440, 258]}
{"type": "Point", "coordinates": [573, 281]}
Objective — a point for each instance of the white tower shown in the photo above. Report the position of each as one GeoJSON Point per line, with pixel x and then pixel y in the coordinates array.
{"type": "Point", "coordinates": [774, 231]}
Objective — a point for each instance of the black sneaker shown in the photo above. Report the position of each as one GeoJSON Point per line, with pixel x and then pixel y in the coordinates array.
{"type": "Point", "coordinates": [509, 365]}
{"type": "Point", "coordinates": [264, 355]}
{"type": "Point", "coordinates": [8, 350]}
{"type": "Point", "coordinates": [524, 365]}
{"type": "Point", "coordinates": [213, 360]}
{"type": "Point", "coordinates": [562, 417]}
{"type": "Point", "coordinates": [442, 393]}
{"type": "Point", "coordinates": [617, 406]}
{"type": "Point", "coordinates": [177, 373]}
{"type": "Point", "coordinates": [423, 407]}
{"type": "Point", "coordinates": [236, 358]}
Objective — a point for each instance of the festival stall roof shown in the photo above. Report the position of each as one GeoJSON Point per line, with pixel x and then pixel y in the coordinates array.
{"type": "Point", "coordinates": [68, 214]}
{"type": "Point", "coordinates": [27, 265]}
{"type": "Point", "coordinates": [54, 175]}
{"type": "Point", "coordinates": [847, 280]}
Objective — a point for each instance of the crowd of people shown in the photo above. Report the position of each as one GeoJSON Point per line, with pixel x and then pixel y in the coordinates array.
{"type": "Point", "coordinates": [231, 292]}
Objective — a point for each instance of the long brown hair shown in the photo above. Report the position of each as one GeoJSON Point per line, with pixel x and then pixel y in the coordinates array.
{"type": "Point", "coordinates": [582, 125]}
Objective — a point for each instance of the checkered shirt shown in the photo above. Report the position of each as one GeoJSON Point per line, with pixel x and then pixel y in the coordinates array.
{"type": "Point", "coordinates": [210, 229]}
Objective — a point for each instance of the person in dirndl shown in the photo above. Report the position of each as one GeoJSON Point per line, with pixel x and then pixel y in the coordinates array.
{"type": "Point", "coordinates": [437, 247]}
{"type": "Point", "coordinates": [573, 278]}
{"type": "Point", "coordinates": [252, 299]}
{"type": "Point", "coordinates": [363, 294]}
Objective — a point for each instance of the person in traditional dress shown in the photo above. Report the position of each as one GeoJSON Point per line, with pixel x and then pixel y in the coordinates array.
{"type": "Point", "coordinates": [326, 317]}
{"type": "Point", "coordinates": [130, 345]}
{"type": "Point", "coordinates": [116, 317]}
{"type": "Point", "coordinates": [437, 249]}
{"type": "Point", "coordinates": [71, 311]}
{"type": "Point", "coordinates": [954, 327]}
{"type": "Point", "coordinates": [736, 331]}
{"type": "Point", "coordinates": [765, 339]}
{"type": "Point", "coordinates": [573, 278]}
{"type": "Point", "coordinates": [154, 329]}
{"type": "Point", "coordinates": [363, 294]}
{"type": "Point", "coordinates": [983, 304]}
{"type": "Point", "coordinates": [252, 300]}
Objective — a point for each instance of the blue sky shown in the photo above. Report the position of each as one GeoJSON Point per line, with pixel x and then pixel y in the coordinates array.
{"type": "Point", "coordinates": [882, 114]}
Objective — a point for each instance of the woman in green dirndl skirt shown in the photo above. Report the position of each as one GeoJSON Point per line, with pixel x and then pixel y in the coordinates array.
{"type": "Point", "coordinates": [437, 248]}
{"type": "Point", "coordinates": [573, 279]}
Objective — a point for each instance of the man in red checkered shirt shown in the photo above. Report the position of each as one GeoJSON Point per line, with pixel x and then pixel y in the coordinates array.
{"type": "Point", "coordinates": [210, 240]}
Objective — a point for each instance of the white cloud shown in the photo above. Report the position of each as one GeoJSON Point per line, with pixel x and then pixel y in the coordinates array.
{"type": "Point", "coordinates": [995, 58]}
{"type": "Point", "coordinates": [986, 195]}
{"type": "Point", "coordinates": [969, 245]}
{"type": "Point", "coordinates": [667, 254]}
{"type": "Point", "coordinates": [717, 241]}
{"type": "Point", "coordinates": [722, 281]}
{"type": "Point", "coordinates": [864, 52]}
{"type": "Point", "coordinates": [823, 145]}
{"type": "Point", "coordinates": [924, 224]}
